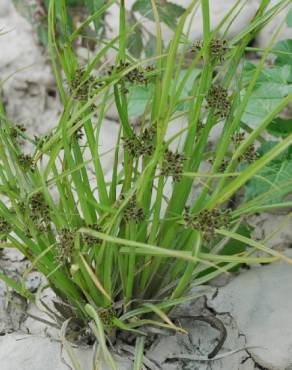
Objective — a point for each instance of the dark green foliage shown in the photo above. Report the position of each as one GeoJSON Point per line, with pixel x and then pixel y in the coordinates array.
{"type": "Point", "coordinates": [280, 127]}
{"type": "Point", "coordinates": [275, 179]}
{"type": "Point", "coordinates": [169, 12]}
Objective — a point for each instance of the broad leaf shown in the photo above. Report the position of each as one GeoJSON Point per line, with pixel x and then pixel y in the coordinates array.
{"type": "Point", "coordinates": [135, 40]}
{"type": "Point", "coordinates": [138, 98]}
{"type": "Point", "coordinates": [139, 95]}
{"type": "Point", "coordinates": [187, 91]}
{"type": "Point", "coordinates": [272, 86]}
{"type": "Point", "coordinates": [280, 127]}
{"type": "Point", "coordinates": [93, 6]}
{"type": "Point", "coordinates": [285, 57]}
{"type": "Point", "coordinates": [168, 12]}
{"type": "Point", "coordinates": [272, 179]}
{"type": "Point", "coordinates": [150, 47]}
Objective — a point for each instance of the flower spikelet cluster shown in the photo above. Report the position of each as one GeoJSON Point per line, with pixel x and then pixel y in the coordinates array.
{"type": "Point", "coordinates": [218, 99]}
{"type": "Point", "coordinates": [141, 145]}
{"type": "Point", "coordinates": [207, 221]}
{"type": "Point", "coordinates": [173, 164]}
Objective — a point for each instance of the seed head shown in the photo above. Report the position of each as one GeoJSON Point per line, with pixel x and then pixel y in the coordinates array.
{"type": "Point", "coordinates": [40, 211]}
{"type": "Point", "coordinates": [82, 87]}
{"type": "Point", "coordinates": [217, 99]}
{"type": "Point", "coordinates": [141, 145]}
{"type": "Point", "coordinates": [5, 227]}
{"type": "Point", "coordinates": [65, 245]}
{"type": "Point", "coordinates": [224, 164]}
{"type": "Point", "coordinates": [218, 49]}
{"type": "Point", "coordinates": [79, 134]}
{"type": "Point", "coordinates": [16, 131]}
{"type": "Point", "coordinates": [26, 162]}
{"type": "Point", "coordinates": [238, 138]}
{"type": "Point", "coordinates": [107, 316]}
{"type": "Point", "coordinates": [250, 155]}
{"type": "Point", "coordinates": [90, 240]}
{"type": "Point", "coordinates": [136, 75]}
{"type": "Point", "coordinates": [173, 164]}
{"type": "Point", "coordinates": [133, 212]}
{"type": "Point", "coordinates": [207, 221]}
{"type": "Point", "coordinates": [41, 140]}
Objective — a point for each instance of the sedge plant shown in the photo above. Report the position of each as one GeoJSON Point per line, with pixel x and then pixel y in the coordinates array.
{"type": "Point", "coordinates": [121, 251]}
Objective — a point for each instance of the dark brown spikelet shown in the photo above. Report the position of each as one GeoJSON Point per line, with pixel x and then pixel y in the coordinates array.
{"type": "Point", "coordinates": [250, 155]}
{"type": "Point", "coordinates": [217, 99]}
{"type": "Point", "coordinates": [218, 49]}
{"type": "Point", "coordinates": [173, 164]}
{"type": "Point", "coordinates": [82, 86]}
{"type": "Point", "coordinates": [107, 316]}
{"type": "Point", "coordinates": [79, 134]}
{"type": "Point", "coordinates": [224, 164]}
{"type": "Point", "coordinates": [132, 144]}
{"type": "Point", "coordinates": [26, 162]}
{"type": "Point", "coordinates": [90, 240]}
{"type": "Point", "coordinates": [238, 138]}
{"type": "Point", "coordinates": [65, 245]}
{"type": "Point", "coordinates": [207, 221]}
{"type": "Point", "coordinates": [141, 145]}
{"type": "Point", "coordinates": [197, 46]}
{"type": "Point", "coordinates": [39, 141]}
{"type": "Point", "coordinates": [5, 229]}
{"type": "Point", "coordinates": [137, 75]}
{"type": "Point", "coordinates": [133, 212]}
{"type": "Point", "coordinates": [147, 141]}
{"type": "Point", "coordinates": [16, 132]}
{"type": "Point", "coordinates": [39, 209]}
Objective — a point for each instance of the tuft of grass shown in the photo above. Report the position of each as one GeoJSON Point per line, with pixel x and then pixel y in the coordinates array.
{"type": "Point", "coordinates": [123, 252]}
